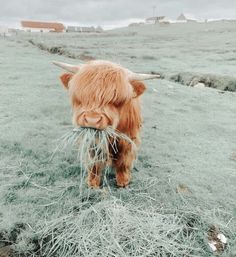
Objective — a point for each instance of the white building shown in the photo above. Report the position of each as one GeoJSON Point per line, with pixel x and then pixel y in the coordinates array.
{"type": "Point", "coordinates": [154, 20]}
{"type": "Point", "coordinates": [166, 21]}
{"type": "Point", "coordinates": [84, 29]}
{"type": "Point", "coordinates": [183, 18]}
{"type": "Point", "coordinates": [42, 26]}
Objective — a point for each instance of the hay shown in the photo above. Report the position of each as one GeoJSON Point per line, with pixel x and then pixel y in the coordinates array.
{"type": "Point", "coordinates": [94, 146]}
{"type": "Point", "coordinates": [138, 221]}
{"type": "Point", "coordinates": [116, 224]}
{"type": "Point", "coordinates": [114, 228]}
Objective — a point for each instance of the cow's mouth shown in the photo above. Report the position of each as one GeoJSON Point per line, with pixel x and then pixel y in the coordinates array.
{"type": "Point", "coordinates": [95, 146]}
{"type": "Point", "coordinates": [83, 127]}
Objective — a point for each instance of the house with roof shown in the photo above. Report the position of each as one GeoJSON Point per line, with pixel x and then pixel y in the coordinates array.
{"type": "Point", "coordinates": [41, 26]}
{"type": "Point", "coordinates": [183, 18]}
{"type": "Point", "coordinates": [154, 20]}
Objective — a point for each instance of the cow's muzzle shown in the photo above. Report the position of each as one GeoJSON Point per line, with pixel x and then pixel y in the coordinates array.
{"type": "Point", "coordinates": [93, 120]}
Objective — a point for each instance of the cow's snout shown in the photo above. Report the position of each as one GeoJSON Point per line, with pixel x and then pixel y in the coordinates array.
{"type": "Point", "coordinates": [93, 120]}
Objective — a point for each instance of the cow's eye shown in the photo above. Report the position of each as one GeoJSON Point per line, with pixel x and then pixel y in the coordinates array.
{"type": "Point", "coordinates": [76, 103]}
{"type": "Point", "coordinates": [118, 104]}
{"type": "Point", "coordinates": [115, 104]}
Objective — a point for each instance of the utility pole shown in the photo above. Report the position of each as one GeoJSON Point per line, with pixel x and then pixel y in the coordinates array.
{"type": "Point", "coordinates": [153, 10]}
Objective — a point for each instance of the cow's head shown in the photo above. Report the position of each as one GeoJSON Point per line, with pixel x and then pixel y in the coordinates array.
{"type": "Point", "coordinates": [99, 90]}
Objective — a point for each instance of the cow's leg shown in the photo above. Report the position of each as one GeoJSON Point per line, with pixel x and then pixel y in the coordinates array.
{"type": "Point", "coordinates": [124, 164]}
{"type": "Point", "coordinates": [94, 176]}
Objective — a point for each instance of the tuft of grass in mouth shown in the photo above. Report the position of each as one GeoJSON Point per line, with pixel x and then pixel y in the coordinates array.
{"type": "Point", "coordinates": [94, 146]}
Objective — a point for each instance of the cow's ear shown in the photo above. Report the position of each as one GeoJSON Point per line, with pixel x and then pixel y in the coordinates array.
{"type": "Point", "coordinates": [65, 78]}
{"type": "Point", "coordinates": [138, 87]}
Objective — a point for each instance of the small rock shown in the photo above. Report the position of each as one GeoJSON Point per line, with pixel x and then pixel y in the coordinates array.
{"type": "Point", "coordinates": [222, 238]}
{"type": "Point", "coordinates": [199, 85]}
{"type": "Point", "coordinates": [212, 245]}
{"type": "Point", "coordinates": [217, 241]}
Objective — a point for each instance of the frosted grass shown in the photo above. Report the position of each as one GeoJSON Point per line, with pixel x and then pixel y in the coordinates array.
{"type": "Point", "coordinates": [169, 153]}
{"type": "Point", "coordinates": [115, 228]}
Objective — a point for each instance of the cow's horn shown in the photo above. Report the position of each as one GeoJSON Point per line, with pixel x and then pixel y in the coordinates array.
{"type": "Point", "coordinates": [66, 66]}
{"type": "Point", "coordinates": [140, 76]}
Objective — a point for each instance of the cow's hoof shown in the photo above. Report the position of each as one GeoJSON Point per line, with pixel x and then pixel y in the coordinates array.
{"type": "Point", "coordinates": [122, 179]}
{"type": "Point", "coordinates": [94, 183]}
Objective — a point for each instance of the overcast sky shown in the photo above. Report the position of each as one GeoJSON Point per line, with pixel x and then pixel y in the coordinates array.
{"type": "Point", "coordinates": [110, 12]}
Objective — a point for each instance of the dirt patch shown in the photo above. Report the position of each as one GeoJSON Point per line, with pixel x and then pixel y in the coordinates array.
{"type": "Point", "coordinates": [190, 79]}
{"type": "Point", "coordinates": [9, 239]}
{"type": "Point", "coordinates": [233, 157]}
{"type": "Point", "coordinates": [181, 188]}
{"type": "Point", "coordinates": [5, 251]}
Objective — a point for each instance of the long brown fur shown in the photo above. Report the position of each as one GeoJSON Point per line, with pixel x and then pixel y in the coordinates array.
{"type": "Point", "coordinates": [102, 89]}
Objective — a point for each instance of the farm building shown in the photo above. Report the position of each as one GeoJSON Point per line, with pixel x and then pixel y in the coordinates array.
{"type": "Point", "coordinates": [83, 29]}
{"type": "Point", "coordinates": [154, 20]}
{"type": "Point", "coordinates": [186, 18]}
{"type": "Point", "coordinates": [40, 26]}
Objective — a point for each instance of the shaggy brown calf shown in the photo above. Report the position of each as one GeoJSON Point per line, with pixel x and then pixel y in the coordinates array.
{"type": "Point", "coordinates": [104, 94]}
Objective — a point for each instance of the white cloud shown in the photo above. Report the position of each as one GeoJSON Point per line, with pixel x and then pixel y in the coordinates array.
{"type": "Point", "coordinates": [103, 12]}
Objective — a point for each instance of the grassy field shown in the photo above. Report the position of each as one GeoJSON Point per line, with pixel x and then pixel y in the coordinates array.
{"type": "Point", "coordinates": [184, 180]}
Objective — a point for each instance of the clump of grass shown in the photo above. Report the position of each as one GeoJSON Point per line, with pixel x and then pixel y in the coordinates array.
{"type": "Point", "coordinates": [94, 146]}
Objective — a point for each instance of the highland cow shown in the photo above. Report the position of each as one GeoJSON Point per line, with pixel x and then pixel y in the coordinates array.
{"type": "Point", "coordinates": [104, 94]}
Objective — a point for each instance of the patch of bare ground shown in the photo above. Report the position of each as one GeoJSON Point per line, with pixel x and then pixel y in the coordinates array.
{"type": "Point", "coordinates": [233, 156]}
{"type": "Point", "coordinates": [6, 251]}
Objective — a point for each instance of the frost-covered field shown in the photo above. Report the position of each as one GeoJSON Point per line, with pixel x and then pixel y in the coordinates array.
{"type": "Point", "coordinates": [184, 181]}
